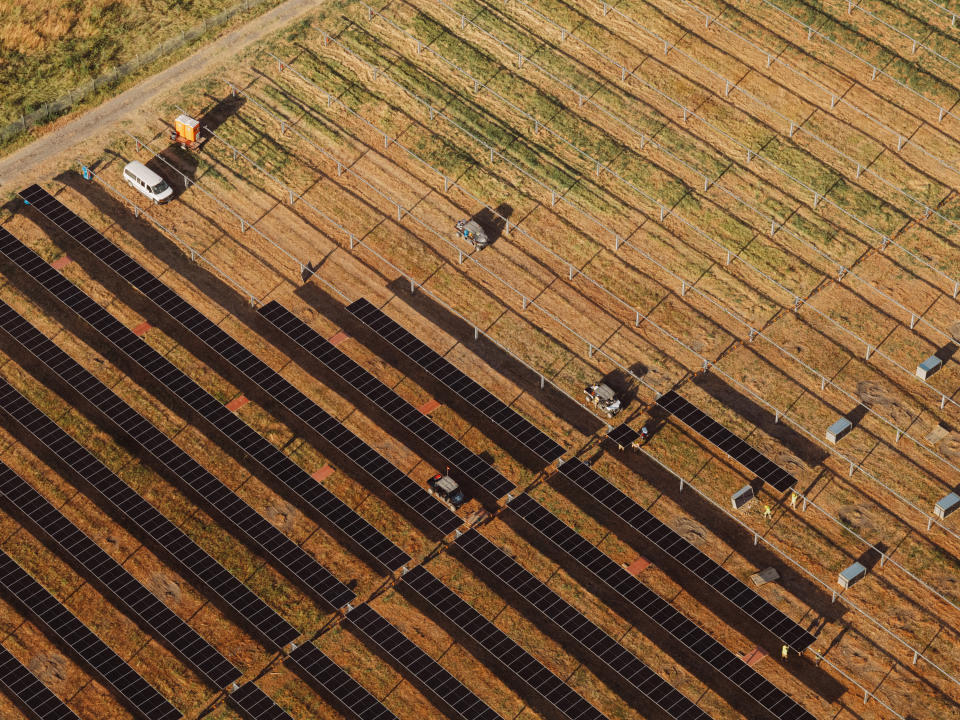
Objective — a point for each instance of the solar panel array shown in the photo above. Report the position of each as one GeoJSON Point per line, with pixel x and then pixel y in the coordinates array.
{"type": "Point", "coordinates": [324, 674]}
{"type": "Point", "coordinates": [23, 686]}
{"type": "Point", "coordinates": [147, 518]}
{"type": "Point", "coordinates": [454, 380]}
{"type": "Point", "coordinates": [692, 416]}
{"type": "Point", "coordinates": [237, 514]}
{"type": "Point", "coordinates": [242, 435]}
{"type": "Point", "coordinates": [578, 629]}
{"type": "Point", "coordinates": [623, 435]}
{"type": "Point", "coordinates": [135, 598]}
{"type": "Point", "coordinates": [451, 449]}
{"type": "Point", "coordinates": [379, 468]}
{"type": "Point", "coordinates": [518, 661]}
{"type": "Point", "coordinates": [254, 704]}
{"type": "Point", "coordinates": [654, 607]}
{"type": "Point", "coordinates": [457, 701]}
{"type": "Point", "coordinates": [711, 572]}
{"type": "Point", "coordinates": [106, 664]}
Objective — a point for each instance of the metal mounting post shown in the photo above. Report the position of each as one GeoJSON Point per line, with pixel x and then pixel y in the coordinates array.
{"type": "Point", "coordinates": [579, 100]}
{"type": "Point", "coordinates": [553, 198]}
{"type": "Point", "coordinates": [598, 168]}
{"type": "Point", "coordinates": [755, 538]}
{"type": "Point", "coordinates": [899, 143]}
{"type": "Point", "coordinates": [329, 100]}
{"type": "Point", "coordinates": [399, 212]}
{"type": "Point", "coordinates": [413, 287]}
{"type": "Point", "coordinates": [816, 199]}
{"type": "Point", "coordinates": [636, 320]}
{"type": "Point", "coordinates": [792, 128]}
{"type": "Point", "coordinates": [476, 332]}
{"type": "Point", "coordinates": [666, 47]}
{"type": "Point", "coordinates": [823, 383]}
{"type": "Point", "coordinates": [446, 183]}
{"type": "Point", "coordinates": [749, 155]}
{"type": "Point", "coordinates": [753, 334]}
{"type": "Point", "coordinates": [804, 504]}
{"type": "Point", "coordinates": [463, 21]}
{"type": "Point", "coordinates": [873, 75]}
{"type": "Point", "coordinates": [643, 140]}
{"type": "Point", "coordinates": [883, 245]}
{"type": "Point", "coordinates": [589, 350]}
{"type": "Point", "coordinates": [773, 227]}
{"type": "Point", "coordinates": [476, 86]}
{"type": "Point", "coordinates": [956, 288]}
{"type": "Point", "coordinates": [606, 9]}
{"type": "Point", "coordinates": [623, 73]}
{"type": "Point", "coordinates": [570, 273]}
{"type": "Point", "coordinates": [706, 184]}
{"type": "Point", "coordinates": [541, 382]}
{"type": "Point", "coordinates": [616, 242]}
{"type": "Point", "coordinates": [681, 484]}
{"type": "Point", "coordinates": [834, 598]}
{"type": "Point", "coordinates": [809, 32]}
{"type": "Point", "coordinates": [726, 88]}
{"type": "Point", "coordinates": [915, 652]}
{"type": "Point", "coordinates": [729, 257]}
{"type": "Point", "coordinates": [352, 238]}
{"type": "Point", "coordinates": [929, 523]}
{"type": "Point", "coordinates": [852, 468]}
{"type": "Point", "coordinates": [769, 59]}
{"type": "Point", "coordinates": [243, 229]}
{"type": "Point", "coordinates": [796, 303]}
{"type": "Point", "coordinates": [897, 438]}
{"type": "Point", "coordinates": [684, 114]}
{"type": "Point", "coordinates": [523, 302]}
{"type": "Point", "coordinates": [833, 101]}
{"type": "Point", "coordinates": [506, 228]}
{"type": "Point", "coordinates": [914, 50]}
{"type": "Point", "coordinates": [706, 366]}
{"type": "Point", "coordinates": [661, 213]}
{"type": "Point", "coordinates": [913, 320]}
{"type": "Point", "coordinates": [867, 354]}
{"type": "Point", "coordinates": [563, 34]}
{"type": "Point", "coordinates": [859, 170]}
{"type": "Point", "coordinates": [943, 401]}
{"type": "Point", "coordinates": [460, 262]}
{"type": "Point", "coordinates": [491, 154]}
{"type": "Point", "coordinates": [291, 195]}
{"type": "Point", "coordinates": [940, 118]}
{"type": "Point", "coordinates": [683, 288]}
{"type": "Point", "coordinates": [419, 47]}
{"type": "Point", "coordinates": [339, 169]}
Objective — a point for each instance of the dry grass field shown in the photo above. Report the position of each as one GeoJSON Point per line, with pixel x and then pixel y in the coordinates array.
{"type": "Point", "coordinates": [737, 208]}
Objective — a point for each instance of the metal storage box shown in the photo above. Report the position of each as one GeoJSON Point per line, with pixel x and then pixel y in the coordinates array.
{"type": "Point", "coordinates": [840, 428]}
{"type": "Point", "coordinates": [928, 367]}
{"type": "Point", "coordinates": [947, 505]}
{"type": "Point", "coordinates": [851, 575]}
{"type": "Point", "coordinates": [741, 497]}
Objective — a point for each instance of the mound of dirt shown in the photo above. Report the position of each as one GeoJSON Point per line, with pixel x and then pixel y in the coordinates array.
{"type": "Point", "coordinates": [691, 531]}
{"type": "Point", "coordinates": [283, 515]}
{"type": "Point", "coordinates": [879, 399]}
{"type": "Point", "coordinates": [861, 517]}
{"type": "Point", "coordinates": [50, 669]}
{"type": "Point", "coordinates": [165, 588]}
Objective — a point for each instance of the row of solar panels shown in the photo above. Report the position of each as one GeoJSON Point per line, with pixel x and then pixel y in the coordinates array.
{"type": "Point", "coordinates": [142, 605]}
{"type": "Point", "coordinates": [320, 348]}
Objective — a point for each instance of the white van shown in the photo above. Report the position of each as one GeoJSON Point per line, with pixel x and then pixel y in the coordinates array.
{"type": "Point", "coordinates": [147, 181]}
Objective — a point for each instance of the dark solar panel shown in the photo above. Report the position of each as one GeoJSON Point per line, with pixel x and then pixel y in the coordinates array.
{"type": "Point", "coordinates": [237, 515]}
{"type": "Point", "coordinates": [766, 470]}
{"type": "Point", "coordinates": [454, 380]}
{"type": "Point", "coordinates": [30, 693]}
{"type": "Point", "coordinates": [254, 704]}
{"type": "Point", "coordinates": [518, 661]}
{"type": "Point", "coordinates": [147, 518]}
{"type": "Point", "coordinates": [451, 695]}
{"type": "Point", "coordinates": [451, 449]}
{"type": "Point", "coordinates": [139, 602]}
{"type": "Point", "coordinates": [297, 480]}
{"type": "Point", "coordinates": [379, 468]}
{"type": "Point", "coordinates": [106, 664]}
{"type": "Point", "coordinates": [623, 435]}
{"type": "Point", "coordinates": [580, 552]}
{"type": "Point", "coordinates": [708, 570]}
{"type": "Point", "coordinates": [325, 675]}
{"type": "Point", "coordinates": [577, 628]}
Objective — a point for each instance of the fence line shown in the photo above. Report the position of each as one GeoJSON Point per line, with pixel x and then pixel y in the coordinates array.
{"type": "Point", "coordinates": [118, 72]}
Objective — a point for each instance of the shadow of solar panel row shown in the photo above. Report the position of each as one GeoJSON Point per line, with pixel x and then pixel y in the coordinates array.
{"type": "Point", "coordinates": [498, 644]}
{"type": "Point", "coordinates": [457, 382]}
{"type": "Point", "coordinates": [147, 518]}
{"type": "Point", "coordinates": [237, 514]}
{"type": "Point", "coordinates": [254, 704]}
{"type": "Point", "coordinates": [81, 551]}
{"type": "Point", "coordinates": [697, 562]}
{"type": "Point", "coordinates": [579, 629]}
{"type": "Point", "coordinates": [685, 631]}
{"type": "Point", "coordinates": [328, 677]}
{"type": "Point", "coordinates": [452, 450]}
{"type": "Point", "coordinates": [451, 695]}
{"type": "Point", "coordinates": [379, 468]}
{"type": "Point", "coordinates": [242, 435]}
{"type": "Point", "coordinates": [29, 693]}
{"type": "Point", "coordinates": [692, 416]}
{"type": "Point", "coordinates": [106, 664]}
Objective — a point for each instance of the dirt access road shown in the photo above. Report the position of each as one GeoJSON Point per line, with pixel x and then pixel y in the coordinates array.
{"type": "Point", "coordinates": [47, 155]}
